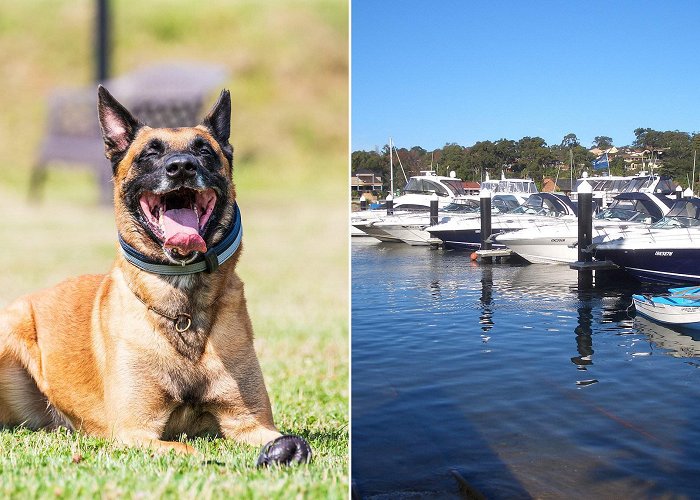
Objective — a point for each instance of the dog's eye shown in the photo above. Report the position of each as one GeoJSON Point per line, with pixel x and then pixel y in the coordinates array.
{"type": "Point", "coordinates": [205, 151]}
{"type": "Point", "coordinates": [154, 148]}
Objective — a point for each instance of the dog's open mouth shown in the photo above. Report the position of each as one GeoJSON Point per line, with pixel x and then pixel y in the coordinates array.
{"type": "Point", "coordinates": [179, 218]}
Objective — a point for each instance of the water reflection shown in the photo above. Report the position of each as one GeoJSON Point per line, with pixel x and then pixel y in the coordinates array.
{"type": "Point", "coordinates": [681, 343]}
{"type": "Point", "coordinates": [584, 340]}
{"type": "Point", "coordinates": [486, 316]}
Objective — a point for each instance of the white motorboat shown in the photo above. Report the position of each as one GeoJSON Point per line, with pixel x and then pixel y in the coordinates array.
{"type": "Point", "coordinates": [539, 209]}
{"type": "Point", "coordinates": [416, 197]}
{"type": "Point", "coordinates": [668, 251]}
{"type": "Point", "coordinates": [557, 243]}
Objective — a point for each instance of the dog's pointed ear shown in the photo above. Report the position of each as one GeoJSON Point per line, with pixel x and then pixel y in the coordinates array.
{"type": "Point", "coordinates": [118, 126]}
{"type": "Point", "coordinates": [218, 121]}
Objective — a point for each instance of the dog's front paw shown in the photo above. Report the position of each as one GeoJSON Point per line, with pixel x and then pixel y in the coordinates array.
{"type": "Point", "coordinates": [285, 450]}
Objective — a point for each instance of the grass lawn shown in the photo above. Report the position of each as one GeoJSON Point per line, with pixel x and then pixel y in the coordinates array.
{"type": "Point", "coordinates": [288, 79]}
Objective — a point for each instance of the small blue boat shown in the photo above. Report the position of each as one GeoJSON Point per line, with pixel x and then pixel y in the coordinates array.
{"type": "Point", "coordinates": [680, 306]}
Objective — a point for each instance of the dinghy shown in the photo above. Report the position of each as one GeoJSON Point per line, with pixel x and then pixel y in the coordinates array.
{"type": "Point", "coordinates": [680, 306]}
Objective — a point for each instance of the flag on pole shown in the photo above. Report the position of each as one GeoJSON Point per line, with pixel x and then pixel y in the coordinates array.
{"type": "Point", "coordinates": [601, 163]}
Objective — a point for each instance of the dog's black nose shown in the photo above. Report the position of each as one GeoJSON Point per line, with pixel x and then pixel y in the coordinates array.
{"type": "Point", "coordinates": [181, 166]}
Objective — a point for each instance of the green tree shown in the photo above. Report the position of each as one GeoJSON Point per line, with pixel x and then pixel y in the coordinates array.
{"type": "Point", "coordinates": [453, 157]}
{"type": "Point", "coordinates": [480, 158]}
{"type": "Point", "coordinates": [602, 142]}
{"type": "Point", "coordinates": [569, 141]}
{"type": "Point", "coordinates": [534, 156]}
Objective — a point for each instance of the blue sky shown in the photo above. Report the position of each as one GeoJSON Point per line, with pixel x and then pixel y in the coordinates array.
{"type": "Point", "coordinates": [428, 73]}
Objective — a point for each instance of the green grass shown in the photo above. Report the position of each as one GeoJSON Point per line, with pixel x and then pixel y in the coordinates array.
{"type": "Point", "coordinates": [71, 465]}
{"type": "Point", "coordinates": [287, 62]}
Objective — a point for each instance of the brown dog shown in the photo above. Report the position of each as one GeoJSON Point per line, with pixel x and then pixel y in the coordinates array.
{"type": "Point", "coordinates": [162, 345]}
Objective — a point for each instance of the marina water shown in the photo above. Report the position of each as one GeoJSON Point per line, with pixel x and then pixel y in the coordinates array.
{"type": "Point", "coordinates": [510, 377]}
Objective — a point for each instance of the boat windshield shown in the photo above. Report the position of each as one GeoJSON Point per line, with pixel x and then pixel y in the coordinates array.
{"type": "Point", "coordinates": [455, 186]}
{"type": "Point", "coordinates": [424, 186]}
{"type": "Point", "coordinates": [502, 203]}
{"type": "Point", "coordinates": [539, 205]}
{"type": "Point", "coordinates": [465, 206]}
{"type": "Point", "coordinates": [625, 210]}
{"type": "Point", "coordinates": [684, 213]}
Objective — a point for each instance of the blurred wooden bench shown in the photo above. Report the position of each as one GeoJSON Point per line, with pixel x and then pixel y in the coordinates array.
{"type": "Point", "coordinates": [163, 95]}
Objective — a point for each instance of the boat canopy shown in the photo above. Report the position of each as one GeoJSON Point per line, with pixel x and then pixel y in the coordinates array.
{"type": "Point", "coordinates": [439, 185]}
{"type": "Point", "coordinates": [683, 213]}
{"type": "Point", "coordinates": [607, 183]}
{"type": "Point", "coordinates": [546, 204]}
{"type": "Point", "coordinates": [504, 202]}
{"type": "Point", "coordinates": [633, 207]}
{"type": "Point", "coordinates": [510, 186]}
{"type": "Point", "coordinates": [659, 184]}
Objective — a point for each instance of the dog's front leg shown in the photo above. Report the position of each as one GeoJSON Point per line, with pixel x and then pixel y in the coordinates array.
{"type": "Point", "coordinates": [140, 418]}
{"type": "Point", "coordinates": [277, 449]}
{"type": "Point", "coordinates": [145, 439]}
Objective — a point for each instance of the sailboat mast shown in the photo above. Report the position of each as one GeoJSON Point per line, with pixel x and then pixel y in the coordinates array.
{"type": "Point", "coordinates": [692, 184]}
{"type": "Point", "coordinates": [391, 165]}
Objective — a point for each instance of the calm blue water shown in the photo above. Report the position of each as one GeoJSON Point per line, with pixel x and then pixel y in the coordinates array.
{"type": "Point", "coordinates": [511, 376]}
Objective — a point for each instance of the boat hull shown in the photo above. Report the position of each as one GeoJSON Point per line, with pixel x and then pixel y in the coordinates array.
{"type": "Point", "coordinates": [656, 265]}
{"type": "Point", "coordinates": [413, 235]}
{"type": "Point", "coordinates": [463, 239]}
{"type": "Point", "coordinates": [545, 250]}
{"type": "Point", "coordinates": [687, 316]}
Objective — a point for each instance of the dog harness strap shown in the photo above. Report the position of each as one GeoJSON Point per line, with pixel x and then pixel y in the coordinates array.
{"type": "Point", "coordinates": [211, 261]}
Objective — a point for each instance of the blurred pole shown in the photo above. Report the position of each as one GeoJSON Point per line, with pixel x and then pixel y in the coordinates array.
{"type": "Point", "coordinates": [102, 36]}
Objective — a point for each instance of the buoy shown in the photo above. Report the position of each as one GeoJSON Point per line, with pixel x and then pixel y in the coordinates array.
{"type": "Point", "coordinates": [474, 256]}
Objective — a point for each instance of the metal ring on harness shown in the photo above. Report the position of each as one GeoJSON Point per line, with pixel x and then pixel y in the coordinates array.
{"type": "Point", "coordinates": [183, 318]}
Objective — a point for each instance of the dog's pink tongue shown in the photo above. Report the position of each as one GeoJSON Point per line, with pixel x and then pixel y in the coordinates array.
{"type": "Point", "coordinates": [181, 228]}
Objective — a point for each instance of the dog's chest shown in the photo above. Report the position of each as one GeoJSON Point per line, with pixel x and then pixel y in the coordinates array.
{"type": "Point", "coordinates": [187, 386]}
{"type": "Point", "coordinates": [188, 390]}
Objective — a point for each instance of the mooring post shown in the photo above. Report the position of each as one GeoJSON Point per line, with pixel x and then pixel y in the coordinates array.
{"type": "Point", "coordinates": [433, 209]}
{"type": "Point", "coordinates": [585, 233]}
{"type": "Point", "coordinates": [390, 205]}
{"type": "Point", "coordinates": [679, 192]}
{"type": "Point", "coordinates": [363, 202]}
{"type": "Point", "coordinates": [485, 215]}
